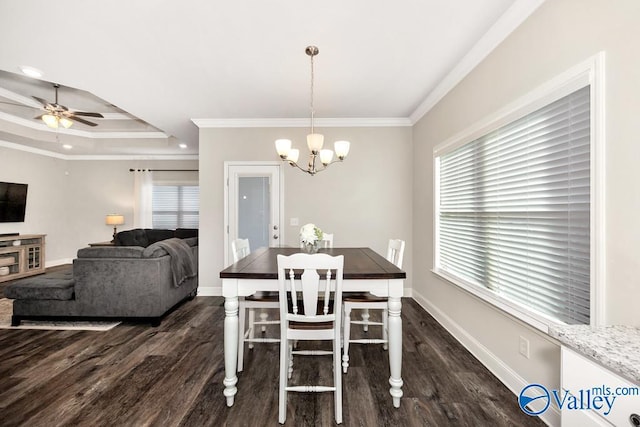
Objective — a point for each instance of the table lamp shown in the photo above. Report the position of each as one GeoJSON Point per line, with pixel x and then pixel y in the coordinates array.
{"type": "Point", "coordinates": [115, 220]}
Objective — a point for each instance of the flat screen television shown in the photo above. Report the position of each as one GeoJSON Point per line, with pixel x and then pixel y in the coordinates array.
{"type": "Point", "coordinates": [13, 201]}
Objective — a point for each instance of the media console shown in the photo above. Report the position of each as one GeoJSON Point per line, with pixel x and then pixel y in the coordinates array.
{"type": "Point", "coordinates": [21, 255]}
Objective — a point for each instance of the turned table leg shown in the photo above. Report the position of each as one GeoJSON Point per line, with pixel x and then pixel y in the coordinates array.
{"type": "Point", "coordinates": [230, 347]}
{"type": "Point", "coordinates": [395, 349]}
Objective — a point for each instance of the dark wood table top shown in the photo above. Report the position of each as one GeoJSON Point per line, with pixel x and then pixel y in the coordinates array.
{"type": "Point", "coordinates": [359, 263]}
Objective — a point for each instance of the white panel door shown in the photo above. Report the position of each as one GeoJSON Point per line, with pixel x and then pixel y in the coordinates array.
{"type": "Point", "coordinates": [252, 205]}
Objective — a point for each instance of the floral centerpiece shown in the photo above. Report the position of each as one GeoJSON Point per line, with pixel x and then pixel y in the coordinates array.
{"type": "Point", "coordinates": [310, 235]}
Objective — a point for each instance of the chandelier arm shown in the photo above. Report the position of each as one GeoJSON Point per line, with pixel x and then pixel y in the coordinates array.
{"type": "Point", "coordinates": [332, 162]}
{"type": "Point", "coordinates": [292, 163]}
{"type": "Point", "coordinates": [312, 171]}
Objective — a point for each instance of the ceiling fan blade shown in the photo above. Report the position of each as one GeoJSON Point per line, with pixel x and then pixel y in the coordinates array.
{"type": "Point", "coordinates": [87, 114]}
{"type": "Point", "coordinates": [39, 117]}
{"type": "Point", "coordinates": [79, 120]}
{"type": "Point", "coordinates": [41, 101]}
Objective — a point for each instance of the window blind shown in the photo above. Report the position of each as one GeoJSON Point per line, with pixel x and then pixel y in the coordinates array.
{"type": "Point", "coordinates": [514, 210]}
{"type": "Point", "coordinates": [175, 206]}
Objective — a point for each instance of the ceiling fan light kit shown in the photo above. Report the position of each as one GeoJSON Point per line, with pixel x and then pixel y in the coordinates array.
{"type": "Point", "coordinates": [53, 121]}
{"type": "Point", "coordinates": [315, 141]}
{"type": "Point", "coordinates": [57, 114]}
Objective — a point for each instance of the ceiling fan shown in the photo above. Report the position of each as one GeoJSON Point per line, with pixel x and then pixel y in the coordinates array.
{"type": "Point", "coordinates": [56, 114]}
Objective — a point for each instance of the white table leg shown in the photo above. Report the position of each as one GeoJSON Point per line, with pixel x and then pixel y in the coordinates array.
{"type": "Point", "coordinates": [230, 347]}
{"type": "Point", "coordinates": [395, 349]}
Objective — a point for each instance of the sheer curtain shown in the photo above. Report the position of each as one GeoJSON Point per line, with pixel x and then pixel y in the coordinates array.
{"type": "Point", "coordinates": [143, 198]}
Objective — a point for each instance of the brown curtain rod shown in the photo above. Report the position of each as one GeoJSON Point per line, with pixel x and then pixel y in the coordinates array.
{"type": "Point", "coordinates": [165, 170]}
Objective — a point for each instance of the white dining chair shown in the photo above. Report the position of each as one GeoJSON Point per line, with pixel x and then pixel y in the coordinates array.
{"type": "Point", "coordinates": [327, 241]}
{"type": "Point", "coordinates": [259, 301]}
{"type": "Point", "coordinates": [316, 319]}
{"type": "Point", "coordinates": [367, 301]}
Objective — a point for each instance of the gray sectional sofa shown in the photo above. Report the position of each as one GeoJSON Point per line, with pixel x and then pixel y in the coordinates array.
{"type": "Point", "coordinates": [140, 282]}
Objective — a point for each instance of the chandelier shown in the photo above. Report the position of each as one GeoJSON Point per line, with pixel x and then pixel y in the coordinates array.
{"type": "Point", "coordinates": [315, 140]}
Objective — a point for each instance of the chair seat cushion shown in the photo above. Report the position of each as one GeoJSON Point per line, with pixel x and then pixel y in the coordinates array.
{"type": "Point", "coordinates": [362, 297]}
{"type": "Point", "coordinates": [264, 296]}
{"type": "Point", "coordinates": [308, 326]}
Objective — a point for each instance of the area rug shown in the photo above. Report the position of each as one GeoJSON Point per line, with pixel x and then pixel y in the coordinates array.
{"type": "Point", "coordinates": [6, 310]}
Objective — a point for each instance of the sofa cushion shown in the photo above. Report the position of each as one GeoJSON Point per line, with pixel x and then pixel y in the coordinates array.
{"type": "Point", "coordinates": [185, 233]}
{"type": "Point", "coordinates": [136, 237]}
{"type": "Point", "coordinates": [111, 252]}
{"type": "Point", "coordinates": [149, 236]}
{"type": "Point", "coordinates": [154, 236]}
{"type": "Point", "coordinates": [45, 287]}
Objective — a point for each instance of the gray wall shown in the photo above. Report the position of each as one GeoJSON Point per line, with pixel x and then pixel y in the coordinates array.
{"type": "Point", "coordinates": [364, 201]}
{"type": "Point", "coordinates": [560, 34]}
{"type": "Point", "coordinates": [68, 199]}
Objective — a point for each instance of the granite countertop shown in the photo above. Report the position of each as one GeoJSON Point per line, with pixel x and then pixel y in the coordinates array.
{"type": "Point", "coordinates": [614, 347]}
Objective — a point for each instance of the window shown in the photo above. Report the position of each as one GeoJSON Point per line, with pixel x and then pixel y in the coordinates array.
{"type": "Point", "coordinates": [175, 206]}
{"type": "Point", "coordinates": [513, 211]}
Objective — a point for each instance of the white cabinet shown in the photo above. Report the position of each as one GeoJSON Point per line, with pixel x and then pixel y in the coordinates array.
{"type": "Point", "coordinates": [598, 397]}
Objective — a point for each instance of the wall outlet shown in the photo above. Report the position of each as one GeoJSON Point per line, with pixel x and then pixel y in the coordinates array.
{"type": "Point", "coordinates": [293, 222]}
{"type": "Point", "coordinates": [524, 347]}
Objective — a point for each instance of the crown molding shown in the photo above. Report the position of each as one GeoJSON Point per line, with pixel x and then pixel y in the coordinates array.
{"type": "Point", "coordinates": [41, 152]}
{"type": "Point", "coordinates": [299, 122]}
{"type": "Point", "coordinates": [81, 133]}
{"type": "Point", "coordinates": [509, 21]}
{"type": "Point", "coordinates": [27, 102]}
{"type": "Point", "coordinates": [20, 147]}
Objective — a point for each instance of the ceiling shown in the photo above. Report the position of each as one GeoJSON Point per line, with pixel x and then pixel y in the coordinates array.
{"type": "Point", "coordinates": [153, 67]}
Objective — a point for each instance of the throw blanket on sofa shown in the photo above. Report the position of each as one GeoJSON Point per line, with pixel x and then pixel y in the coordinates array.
{"type": "Point", "coordinates": [183, 265]}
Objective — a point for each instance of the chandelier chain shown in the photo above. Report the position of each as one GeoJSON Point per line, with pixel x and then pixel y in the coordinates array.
{"type": "Point", "coordinates": [311, 106]}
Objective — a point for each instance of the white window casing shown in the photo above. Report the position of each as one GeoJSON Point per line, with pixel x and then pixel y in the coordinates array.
{"type": "Point", "coordinates": [518, 203]}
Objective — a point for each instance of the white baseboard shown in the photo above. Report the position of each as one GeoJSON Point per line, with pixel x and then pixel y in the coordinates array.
{"type": "Point", "coordinates": [209, 291]}
{"type": "Point", "coordinates": [501, 370]}
{"type": "Point", "coordinates": [56, 262]}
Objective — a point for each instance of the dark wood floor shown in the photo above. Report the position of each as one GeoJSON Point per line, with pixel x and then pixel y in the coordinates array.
{"type": "Point", "coordinates": [172, 375]}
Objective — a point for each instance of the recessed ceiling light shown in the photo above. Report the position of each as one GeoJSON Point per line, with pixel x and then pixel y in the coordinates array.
{"type": "Point", "coordinates": [182, 145]}
{"type": "Point", "coordinates": [67, 146]}
{"type": "Point", "coordinates": [30, 71]}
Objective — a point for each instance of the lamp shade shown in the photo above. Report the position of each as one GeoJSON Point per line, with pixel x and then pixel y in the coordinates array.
{"type": "Point", "coordinates": [282, 147]}
{"type": "Point", "coordinates": [115, 219]}
{"type": "Point", "coordinates": [50, 120]}
{"type": "Point", "coordinates": [326, 156]}
{"type": "Point", "coordinates": [65, 122]}
{"type": "Point", "coordinates": [342, 148]}
{"type": "Point", "coordinates": [293, 155]}
{"type": "Point", "coordinates": [315, 142]}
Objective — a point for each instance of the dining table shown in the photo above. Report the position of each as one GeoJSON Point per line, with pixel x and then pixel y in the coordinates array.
{"type": "Point", "coordinates": [364, 271]}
